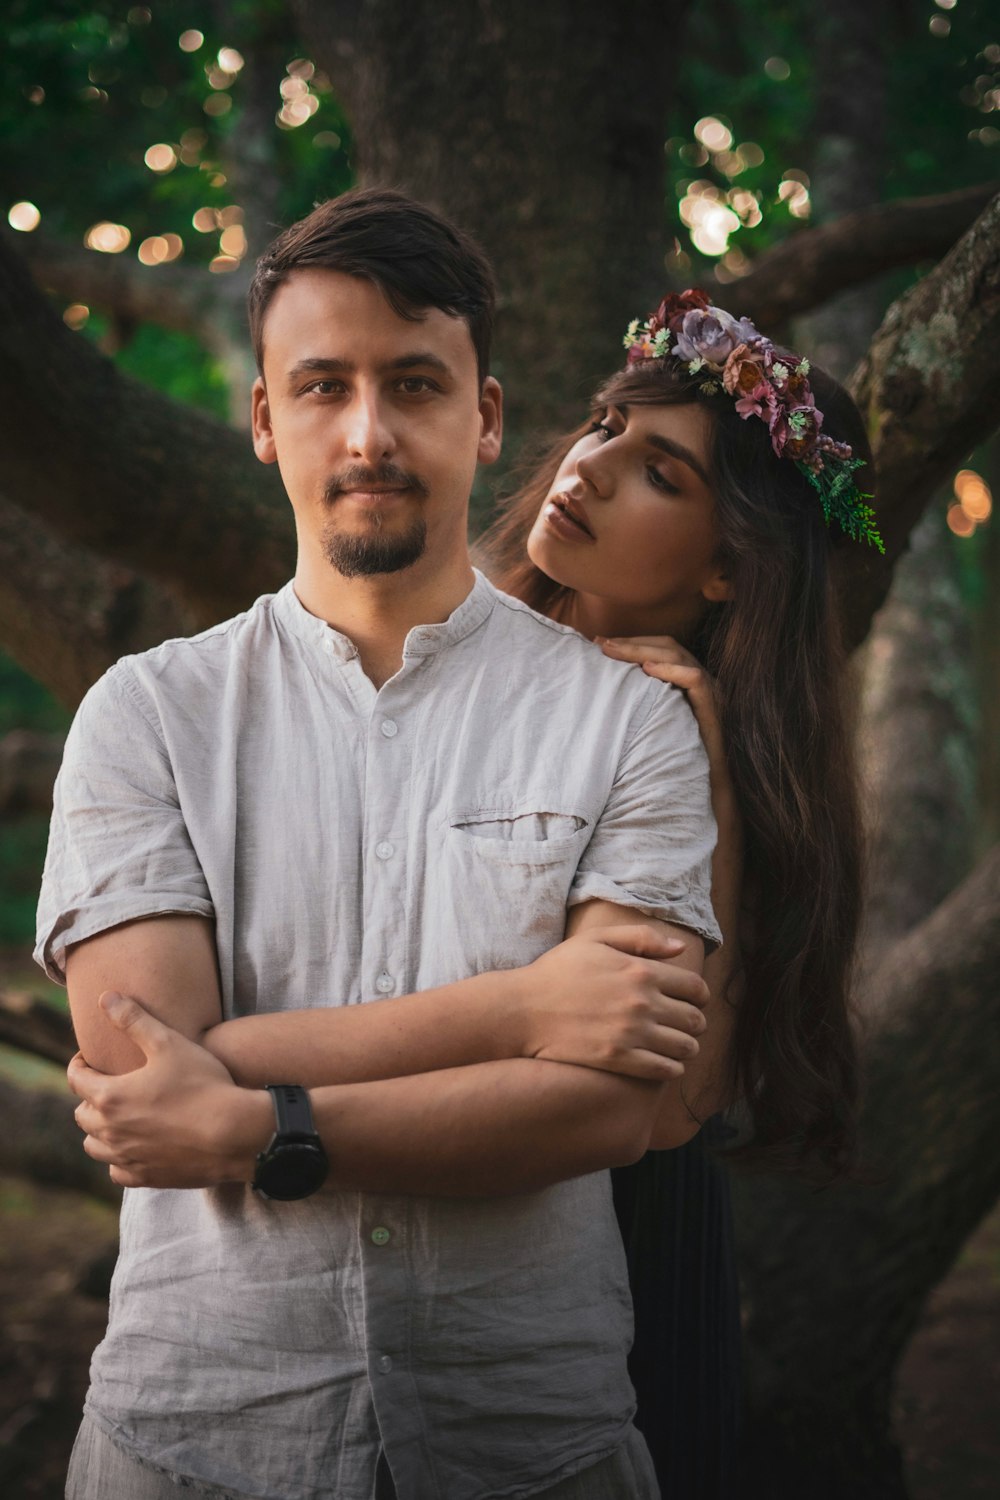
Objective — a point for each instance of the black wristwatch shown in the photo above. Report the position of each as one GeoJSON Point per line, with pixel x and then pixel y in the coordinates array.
{"type": "Point", "coordinates": [295, 1163]}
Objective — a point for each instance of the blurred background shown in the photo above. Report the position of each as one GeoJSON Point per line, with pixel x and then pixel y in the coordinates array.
{"type": "Point", "coordinates": [832, 172]}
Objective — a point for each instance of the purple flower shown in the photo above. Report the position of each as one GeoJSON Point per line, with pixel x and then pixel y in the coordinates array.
{"type": "Point", "coordinates": [711, 335]}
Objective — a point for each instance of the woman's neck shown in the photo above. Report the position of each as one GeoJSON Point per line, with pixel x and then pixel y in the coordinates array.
{"type": "Point", "coordinates": [593, 616]}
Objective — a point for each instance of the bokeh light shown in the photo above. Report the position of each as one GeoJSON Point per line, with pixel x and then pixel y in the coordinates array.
{"type": "Point", "coordinates": [713, 134]}
{"type": "Point", "coordinates": [76, 315]}
{"type": "Point", "coordinates": [190, 41]}
{"type": "Point", "coordinates": [110, 239]}
{"type": "Point", "coordinates": [161, 158]}
{"type": "Point", "coordinates": [24, 216]}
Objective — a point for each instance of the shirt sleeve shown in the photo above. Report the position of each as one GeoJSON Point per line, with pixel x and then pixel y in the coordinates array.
{"type": "Point", "coordinates": [652, 847]}
{"type": "Point", "coordinates": [118, 845]}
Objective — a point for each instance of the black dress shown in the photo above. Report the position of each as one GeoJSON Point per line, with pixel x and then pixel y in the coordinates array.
{"type": "Point", "coordinates": [676, 1222]}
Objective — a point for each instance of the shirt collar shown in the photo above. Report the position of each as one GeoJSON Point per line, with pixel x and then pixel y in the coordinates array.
{"type": "Point", "coordinates": [422, 640]}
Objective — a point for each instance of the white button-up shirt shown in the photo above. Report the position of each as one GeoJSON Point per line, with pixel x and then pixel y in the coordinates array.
{"type": "Point", "coordinates": [351, 843]}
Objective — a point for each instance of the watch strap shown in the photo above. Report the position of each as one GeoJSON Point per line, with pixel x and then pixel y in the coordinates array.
{"type": "Point", "coordinates": [292, 1110]}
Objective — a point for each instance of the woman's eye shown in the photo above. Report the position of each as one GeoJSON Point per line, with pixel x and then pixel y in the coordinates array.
{"type": "Point", "coordinates": [659, 481]}
{"type": "Point", "coordinates": [603, 430]}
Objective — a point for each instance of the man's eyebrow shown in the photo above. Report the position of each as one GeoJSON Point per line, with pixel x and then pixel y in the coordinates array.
{"type": "Point", "coordinates": [421, 359]}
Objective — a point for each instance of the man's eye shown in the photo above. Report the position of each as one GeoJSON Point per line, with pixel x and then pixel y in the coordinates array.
{"type": "Point", "coordinates": [416, 385]}
{"type": "Point", "coordinates": [323, 387]}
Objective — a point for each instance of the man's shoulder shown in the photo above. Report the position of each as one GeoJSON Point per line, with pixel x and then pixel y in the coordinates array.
{"type": "Point", "coordinates": [558, 648]}
{"type": "Point", "coordinates": [179, 665]}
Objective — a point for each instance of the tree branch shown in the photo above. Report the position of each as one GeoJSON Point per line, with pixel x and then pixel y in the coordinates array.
{"type": "Point", "coordinates": [66, 614]}
{"type": "Point", "coordinates": [111, 465]}
{"type": "Point", "coordinates": [32, 1025]}
{"type": "Point", "coordinates": [929, 389]}
{"type": "Point", "coordinates": [40, 1140]}
{"type": "Point", "coordinates": [812, 266]}
{"type": "Point", "coordinates": [28, 766]}
{"type": "Point", "coordinates": [187, 299]}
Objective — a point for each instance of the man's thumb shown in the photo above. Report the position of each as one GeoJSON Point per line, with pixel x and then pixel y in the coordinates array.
{"type": "Point", "coordinates": [129, 1016]}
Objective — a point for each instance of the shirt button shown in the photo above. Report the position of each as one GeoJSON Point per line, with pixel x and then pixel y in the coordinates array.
{"type": "Point", "coordinates": [381, 1235]}
{"type": "Point", "coordinates": [384, 1363]}
{"type": "Point", "coordinates": [390, 728]}
{"type": "Point", "coordinates": [385, 850]}
{"type": "Point", "coordinates": [384, 983]}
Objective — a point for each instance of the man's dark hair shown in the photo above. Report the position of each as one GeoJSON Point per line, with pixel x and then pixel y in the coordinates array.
{"type": "Point", "coordinates": [415, 257]}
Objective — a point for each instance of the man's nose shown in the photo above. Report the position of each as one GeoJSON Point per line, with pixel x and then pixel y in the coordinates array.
{"type": "Point", "coordinates": [370, 436]}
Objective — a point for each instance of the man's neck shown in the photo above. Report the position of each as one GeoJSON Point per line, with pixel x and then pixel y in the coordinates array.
{"type": "Point", "coordinates": [376, 613]}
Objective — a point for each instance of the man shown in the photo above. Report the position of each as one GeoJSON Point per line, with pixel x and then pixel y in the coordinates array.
{"type": "Point", "coordinates": [385, 780]}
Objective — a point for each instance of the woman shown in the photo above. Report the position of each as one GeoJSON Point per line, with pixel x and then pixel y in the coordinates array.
{"type": "Point", "coordinates": [689, 523]}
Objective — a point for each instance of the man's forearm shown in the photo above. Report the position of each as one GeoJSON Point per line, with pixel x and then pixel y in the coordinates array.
{"type": "Point", "coordinates": [483, 1131]}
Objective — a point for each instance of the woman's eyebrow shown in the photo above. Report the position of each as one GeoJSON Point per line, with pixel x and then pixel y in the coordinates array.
{"type": "Point", "coordinates": [678, 451]}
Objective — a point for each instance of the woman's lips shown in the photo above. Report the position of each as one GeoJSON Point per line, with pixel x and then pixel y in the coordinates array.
{"type": "Point", "coordinates": [568, 519]}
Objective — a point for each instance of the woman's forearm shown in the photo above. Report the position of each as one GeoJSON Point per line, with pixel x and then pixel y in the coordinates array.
{"type": "Point", "coordinates": [471, 1021]}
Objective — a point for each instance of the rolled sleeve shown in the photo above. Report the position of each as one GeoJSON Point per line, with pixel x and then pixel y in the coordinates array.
{"type": "Point", "coordinates": [118, 845]}
{"type": "Point", "coordinates": [652, 849]}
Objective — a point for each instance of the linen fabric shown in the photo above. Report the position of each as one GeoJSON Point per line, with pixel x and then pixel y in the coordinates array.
{"type": "Point", "coordinates": [350, 843]}
{"type": "Point", "coordinates": [100, 1470]}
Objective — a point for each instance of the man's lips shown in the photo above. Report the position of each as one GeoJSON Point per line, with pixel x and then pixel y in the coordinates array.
{"type": "Point", "coordinates": [569, 510]}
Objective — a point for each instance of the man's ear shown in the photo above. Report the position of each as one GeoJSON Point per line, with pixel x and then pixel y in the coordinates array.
{"type": "Point", "coordinates": [491, 416]}
{"type": "Point", "coordinates": [260, 421]}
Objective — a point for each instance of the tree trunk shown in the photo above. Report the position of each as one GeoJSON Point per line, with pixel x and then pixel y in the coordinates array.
{"type": "Point", "coordinates": [918, 739]}
{"type": "Point", "coordinates": [576, 230]}
{"type": "Point", "coordinates": [835, 1279]}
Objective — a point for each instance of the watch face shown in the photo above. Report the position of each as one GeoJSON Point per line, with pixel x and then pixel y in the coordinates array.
{"type": "Point", "coordinates": [293, 1169]}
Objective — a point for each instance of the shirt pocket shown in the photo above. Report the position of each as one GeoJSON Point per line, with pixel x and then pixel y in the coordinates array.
{"type": "Point", "coordinates": [510, 869]}
{"type": "Point", "coordinates": [538, 834]}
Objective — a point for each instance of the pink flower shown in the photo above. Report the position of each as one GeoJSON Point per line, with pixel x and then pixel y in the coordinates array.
{"type": "Point", "coordinates": [745, 372]}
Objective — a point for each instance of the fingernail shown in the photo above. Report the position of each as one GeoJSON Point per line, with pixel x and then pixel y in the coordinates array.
{"type": "Point", "coordinates": [110, 999]}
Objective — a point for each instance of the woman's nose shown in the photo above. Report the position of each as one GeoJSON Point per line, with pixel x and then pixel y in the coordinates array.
{"type": "Point", "coordinates": [596, 472]}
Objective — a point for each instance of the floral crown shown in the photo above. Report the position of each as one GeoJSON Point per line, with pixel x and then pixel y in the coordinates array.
{"type": "Point", "coordinates": [733, 357]}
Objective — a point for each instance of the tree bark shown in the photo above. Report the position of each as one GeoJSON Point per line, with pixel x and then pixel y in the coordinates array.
{"type": "Point", "coordinates": [835, 1280]}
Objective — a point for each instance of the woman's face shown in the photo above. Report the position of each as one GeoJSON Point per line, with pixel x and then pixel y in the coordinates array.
{"type": "Point", "coordinates": [629, 523]}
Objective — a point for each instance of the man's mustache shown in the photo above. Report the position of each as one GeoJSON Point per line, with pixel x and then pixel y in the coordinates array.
{"type": "Point", "coordinates": [384, 476]}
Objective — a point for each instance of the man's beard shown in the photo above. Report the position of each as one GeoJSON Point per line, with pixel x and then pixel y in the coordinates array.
{"type": "Point", "coordinates": [365, 554]}
{"type": "Point", "coordinates": [362, 555]}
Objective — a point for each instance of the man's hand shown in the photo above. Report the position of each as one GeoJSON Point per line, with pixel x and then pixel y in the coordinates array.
{"type": "Point", "coordinates": [178, 1121]}
{"type": "Point", "coordinates": [609, 999]}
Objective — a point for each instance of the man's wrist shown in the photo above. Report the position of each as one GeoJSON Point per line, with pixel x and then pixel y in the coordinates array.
{"type": "Point", "coordinates": [249, 1125]}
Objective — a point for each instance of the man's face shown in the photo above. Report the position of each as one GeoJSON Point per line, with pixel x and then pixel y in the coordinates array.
{"type": "Point", "coordinates": [375, 421]}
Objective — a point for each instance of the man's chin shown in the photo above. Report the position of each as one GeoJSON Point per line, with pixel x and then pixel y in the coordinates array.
{"type": "Point", "coordinates": [370, 553]}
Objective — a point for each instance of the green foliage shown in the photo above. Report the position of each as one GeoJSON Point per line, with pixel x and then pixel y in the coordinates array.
{"type": "Point", "coordinates": [760, 82]}
{"type": "Point", "coordinates": [87, 90]}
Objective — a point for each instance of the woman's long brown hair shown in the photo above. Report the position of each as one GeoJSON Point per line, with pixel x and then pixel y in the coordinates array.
{"type": "Point", "coordinates": [774, 652]}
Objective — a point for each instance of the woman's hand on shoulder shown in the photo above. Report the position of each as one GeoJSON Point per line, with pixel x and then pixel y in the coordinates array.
{"type": "Point", "coordinates": [662, 657]}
